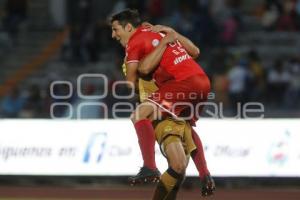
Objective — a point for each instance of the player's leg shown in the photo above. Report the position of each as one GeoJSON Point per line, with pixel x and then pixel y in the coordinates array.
{"type": "Point", "coordinates": [146, 140]}
{"type": "Point", "coordinates": [207, 182]}
{"type": "Point", "coordinates": [198, 154]}
{"type": "Point", "coordinates": [203, 86]}
{"type": "Point", "coordinates": [172, 179]}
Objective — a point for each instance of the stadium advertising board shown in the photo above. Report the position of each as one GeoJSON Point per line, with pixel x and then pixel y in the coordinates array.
{"type": "Point", "coordinates": [109, 147]}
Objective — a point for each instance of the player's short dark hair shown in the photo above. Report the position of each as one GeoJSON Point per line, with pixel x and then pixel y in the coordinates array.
{"type": "Point", "coordinates": [124, 17]}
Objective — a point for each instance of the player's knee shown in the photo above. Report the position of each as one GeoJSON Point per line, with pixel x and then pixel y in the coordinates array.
{"type": "Point", "coordinates": [179, 166]}
{"type": "Point", "coordinates": [133, 118]}
{"type": "Point", "coordinates": [140, 114]}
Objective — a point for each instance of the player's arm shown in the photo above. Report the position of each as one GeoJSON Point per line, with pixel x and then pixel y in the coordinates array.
{"type": "Point", "coordinates": [190, 47]}
{"type": "Point", "coordinates": [150, 62]}
{"type": "Point", "coordinates": [132, 75]}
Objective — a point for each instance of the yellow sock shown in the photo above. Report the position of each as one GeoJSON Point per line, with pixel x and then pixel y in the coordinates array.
{"type": "Point", "coordinates": [168, 185]}
{"type": "Point", "coordinates": [168, 181]}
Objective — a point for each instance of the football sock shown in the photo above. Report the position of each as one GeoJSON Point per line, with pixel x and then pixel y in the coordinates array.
{"type": "Point", "coordinates": [198, 156]}
{"type": "Point", "coordinates": [146, 139]}
{"type": "Point", "coordinates": [168, 186]}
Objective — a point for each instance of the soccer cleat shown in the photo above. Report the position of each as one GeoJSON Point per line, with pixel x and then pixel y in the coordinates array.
{"type": "Point", "coordinates": [145, 175]}
{"type": "Point", "coordinates": [208, 186]}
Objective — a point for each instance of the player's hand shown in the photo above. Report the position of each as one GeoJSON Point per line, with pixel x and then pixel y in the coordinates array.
{"type": "Point", "coordinates": [171, 37]}
{"type": "Point", "coordinates": [147, 24]}
{"type": "Point", "coordinates": [161, 28]}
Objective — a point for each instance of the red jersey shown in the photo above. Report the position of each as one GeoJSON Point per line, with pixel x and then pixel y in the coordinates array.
{"type": "Point", "coordinates": [175, 63]}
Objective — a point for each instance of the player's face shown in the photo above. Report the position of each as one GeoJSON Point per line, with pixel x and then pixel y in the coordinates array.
{"type": "Point", "coordinates": [119, 33]}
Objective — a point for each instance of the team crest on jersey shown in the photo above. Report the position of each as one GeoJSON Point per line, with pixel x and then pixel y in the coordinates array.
{"type": "Point", "coordinates": [168, 129]}
{"type": "Point", "coordinates": [155, 42]}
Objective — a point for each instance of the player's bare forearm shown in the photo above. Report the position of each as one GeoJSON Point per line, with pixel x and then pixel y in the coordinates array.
{"type": "Point", "coordinates": [190, 47]}
{"type": "Point", "coordinates": [151, 61]}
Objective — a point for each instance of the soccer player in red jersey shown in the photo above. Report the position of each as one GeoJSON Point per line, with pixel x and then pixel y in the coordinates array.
{"type": "Point", "coordinates": [179, 77]}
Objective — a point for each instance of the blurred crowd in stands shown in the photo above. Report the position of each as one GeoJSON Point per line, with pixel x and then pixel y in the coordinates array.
{"type": "Point", "coordinates": [13, 16]}
{"type": "Point", "coordinates": [214, 25]}
{"type": "Point", "coordinates": [280, 15]}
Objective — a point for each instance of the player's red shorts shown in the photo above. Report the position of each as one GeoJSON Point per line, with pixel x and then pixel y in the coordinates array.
{"type": "Point", "coordinates": [182, 98]}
